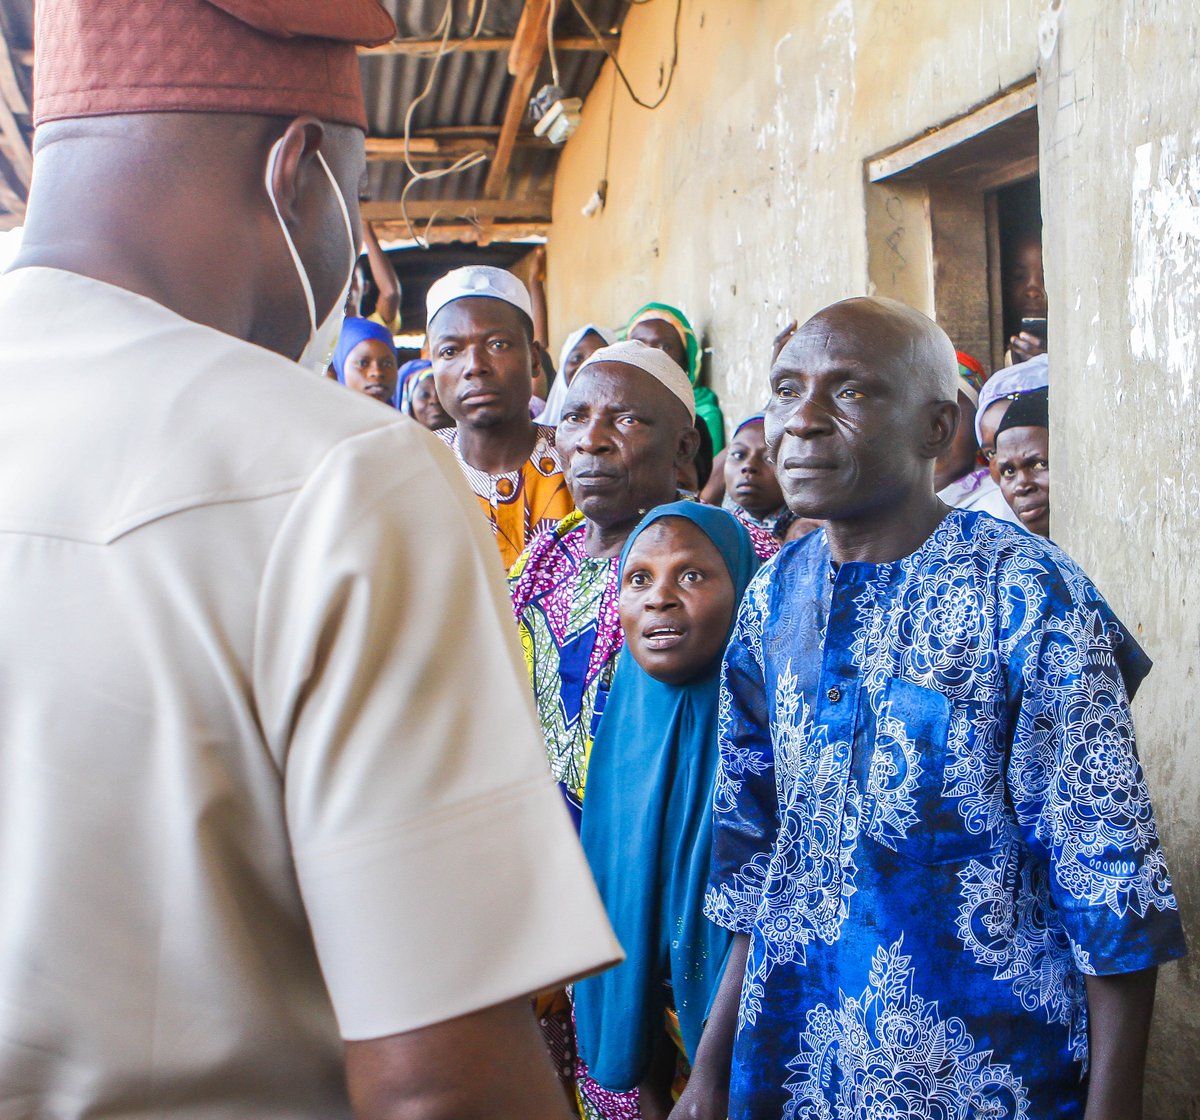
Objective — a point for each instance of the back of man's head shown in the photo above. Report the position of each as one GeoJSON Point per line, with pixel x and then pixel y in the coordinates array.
{"type": "Point", "coordinates": [194, 131]}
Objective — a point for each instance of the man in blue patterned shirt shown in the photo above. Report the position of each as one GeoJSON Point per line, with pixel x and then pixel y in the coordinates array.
{"type": "Point", "coordinates": [933, 834]}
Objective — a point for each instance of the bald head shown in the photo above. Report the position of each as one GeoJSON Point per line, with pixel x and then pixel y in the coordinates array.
{"type": "Point", "coordinates": [864, 400]}
{"type": "Point", "coordinates": [888, 335]}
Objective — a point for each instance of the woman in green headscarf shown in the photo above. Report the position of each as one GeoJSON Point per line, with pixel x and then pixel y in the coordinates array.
{"type": "Point", "coordinates": [667, 328]}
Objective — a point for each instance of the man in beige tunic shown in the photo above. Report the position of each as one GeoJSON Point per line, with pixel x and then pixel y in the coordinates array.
{"type": "Point", "coordinates": [277, 836]}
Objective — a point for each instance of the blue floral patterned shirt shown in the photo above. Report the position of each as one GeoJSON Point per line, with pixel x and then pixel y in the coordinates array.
{"type": "Point", "coordinates": [931, 819]}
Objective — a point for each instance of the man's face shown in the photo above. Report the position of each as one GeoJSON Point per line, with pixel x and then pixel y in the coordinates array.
{"type": "Point", "coordinates": [371, 368]}
{"type": "Point", "coordinates": [845, 425]}
{"type": "Point", "coordinates": [662, 336]}
{"type": "Point", "coordinates": [483, 361]}
{"type": "Point", "coordinates": [1023, 464]}
{"type": "Point", "coordinates": [621, 438]}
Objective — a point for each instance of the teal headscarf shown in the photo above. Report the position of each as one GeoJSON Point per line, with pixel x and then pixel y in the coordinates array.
{"type": "Point", "coordinates": [647, 832]}
{"type": "Point", "coordinates": [708, 408]}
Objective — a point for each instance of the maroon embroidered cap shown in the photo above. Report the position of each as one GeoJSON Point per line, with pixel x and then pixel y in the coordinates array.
{"type": "Point", "coordinates": [272, 57]}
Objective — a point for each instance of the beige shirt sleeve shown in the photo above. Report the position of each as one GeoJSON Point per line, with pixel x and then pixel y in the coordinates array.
{"type": "Point", "coordinates": [438, 866]}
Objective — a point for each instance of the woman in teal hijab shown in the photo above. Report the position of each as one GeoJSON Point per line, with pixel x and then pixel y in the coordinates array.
{"type": "Point", "coordinates": [667, 328]}
{"type": "Point", "coordinates": [647, 821]}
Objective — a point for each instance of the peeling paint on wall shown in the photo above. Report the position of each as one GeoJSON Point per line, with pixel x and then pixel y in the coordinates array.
{"type": "Point", "coordinates": [1165, 270]}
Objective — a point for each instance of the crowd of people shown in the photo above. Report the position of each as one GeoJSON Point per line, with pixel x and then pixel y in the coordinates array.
{"type": "Point", "coordinates": [628, 556]}
{"type": "Point", "coordinates": [814, 794]}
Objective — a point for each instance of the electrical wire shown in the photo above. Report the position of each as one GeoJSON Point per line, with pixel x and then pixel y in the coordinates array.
{"type": "Point", "coordinates": [550, 11]}
{"type": "Point", "coordinates": [473, 159]}
{"type": "Point", "coordinates": [463, 163]}
{"type": "Point", "coordinates": [608, 51]}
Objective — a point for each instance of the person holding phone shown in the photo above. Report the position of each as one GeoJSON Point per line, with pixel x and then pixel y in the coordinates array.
{"type": "Point", "coordinates": [1025, 296]}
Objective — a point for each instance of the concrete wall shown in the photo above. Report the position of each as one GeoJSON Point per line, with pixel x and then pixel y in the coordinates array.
{"type": "Point", "coordinates": [742, 200]}
{"type": "Point", "coordinates": [1120, 183]}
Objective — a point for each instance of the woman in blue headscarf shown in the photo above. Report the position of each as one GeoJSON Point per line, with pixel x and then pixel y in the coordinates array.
{"type": "Point", "coordinates": [647, 820]}
{"type": "Point", "coordinates": [365, 359]}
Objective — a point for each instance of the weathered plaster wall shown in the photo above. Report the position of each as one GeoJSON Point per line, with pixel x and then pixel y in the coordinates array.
{"type": "Point", "coordinates": [1121, 198]}
{"type": "Point", "coordinates": [742, 200]}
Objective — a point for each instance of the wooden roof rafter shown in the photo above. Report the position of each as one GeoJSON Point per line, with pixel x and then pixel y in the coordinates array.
{"type": "Point", "coordinates": [524, 58]}
{"type": "Point", "coordinates": [430, 47]}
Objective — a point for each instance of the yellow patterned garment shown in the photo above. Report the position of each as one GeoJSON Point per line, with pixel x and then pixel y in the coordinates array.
{"type": "Point", "coordinates": [519, 504]}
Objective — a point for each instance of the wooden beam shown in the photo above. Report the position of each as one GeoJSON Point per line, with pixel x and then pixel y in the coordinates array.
{"type": "Point", "coordinates": [534, 209]}
{"type": "Point", "coordinates": [427, 48]}
{"type": "Point", "coordinates": [383, 149]}
{"type": "Point", "coordinates": [388, 232]}
{"type": "Point", "coordinates": [938, 140]}
{"type": "Point", "coordinates": [13, 145]}
{"type": "Point", "coordinates": [523, 61]}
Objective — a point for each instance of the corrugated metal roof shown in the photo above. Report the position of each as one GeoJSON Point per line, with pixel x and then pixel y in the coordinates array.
{"type": "Point", "coordinates": [470, 92]}
{"type": "Point", "coordinates": [471, 89]}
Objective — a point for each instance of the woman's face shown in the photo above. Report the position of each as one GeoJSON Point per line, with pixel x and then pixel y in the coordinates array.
{"type": "Point", "coordinates": [662, 336]}
{"type": "Point", "coordinates": [676, 601]}
{"type": "Point", "coordinates": [371, 368]}
{"type": "Point", "coordinates": [1023, 463]}
{"type": "Point", "coordinates": [749, 476]}
{"type": "Point", "coordinates": [988, 423]}
{"type": "Point", "coordinates": [427, 409]}
{"type": "Point", "coordinates": [584, 349]}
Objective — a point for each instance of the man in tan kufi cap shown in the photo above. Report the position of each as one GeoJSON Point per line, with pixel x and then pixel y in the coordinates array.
{"type": "Point", "coordinates": [271, 843]}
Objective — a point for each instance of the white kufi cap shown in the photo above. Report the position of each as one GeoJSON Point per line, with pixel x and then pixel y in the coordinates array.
{"type": "Point", "coordinates": [477, 280]}
{"type": "Point", "coordinates": [657, 363]}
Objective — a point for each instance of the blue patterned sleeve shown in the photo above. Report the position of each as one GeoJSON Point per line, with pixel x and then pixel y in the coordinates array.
{"type": "Point", "coordinates": [745, 806]}
{"type": "Point", "coordinates": [1077, 786]}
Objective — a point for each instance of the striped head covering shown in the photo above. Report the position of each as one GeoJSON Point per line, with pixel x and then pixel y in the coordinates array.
{"type": "Point", "coordinates": [679, 321]}
{"type": "Point", "coordinates": [971, 376]}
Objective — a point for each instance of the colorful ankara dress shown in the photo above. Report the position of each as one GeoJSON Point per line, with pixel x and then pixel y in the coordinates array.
{"type": "Point", "coordinates": [566, 607]}
{"type": "Point", "coordinates": [518, 504]}
{"type": "Point", "coordinates": [931, 819]}
{"type": "Point", "coordinates": [766, 532]}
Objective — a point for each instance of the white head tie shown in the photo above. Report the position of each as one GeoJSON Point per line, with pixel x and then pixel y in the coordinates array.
{"type": "Point", "coordinates": [657, 363]}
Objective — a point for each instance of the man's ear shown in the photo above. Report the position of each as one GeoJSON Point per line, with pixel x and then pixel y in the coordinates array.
{"type": "Point", "coordinates": [689, 444]}
{"type": "Point", "coordinates": [300, 142]}
{"type": "Point", "coordinates": [535, 351]}
{"type": "Point", "coordinates": [943, 419]}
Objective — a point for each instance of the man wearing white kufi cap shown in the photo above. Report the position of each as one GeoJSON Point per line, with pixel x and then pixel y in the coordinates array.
{"type": "Point", "coordinates": [480, 328]}
{"type": "Point", "coordinates": [627, 427]}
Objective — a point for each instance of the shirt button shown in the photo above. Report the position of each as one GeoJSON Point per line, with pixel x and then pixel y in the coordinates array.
{"type": "Point", "coordinates": [834, 694]}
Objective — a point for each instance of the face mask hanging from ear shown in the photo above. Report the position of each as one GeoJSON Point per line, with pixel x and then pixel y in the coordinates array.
{"type": "Point", "coordinates": [322, 337]}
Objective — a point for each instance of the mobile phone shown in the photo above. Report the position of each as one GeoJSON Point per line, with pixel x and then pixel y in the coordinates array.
{"type": "Point", "coordinates": [1035, 327]}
